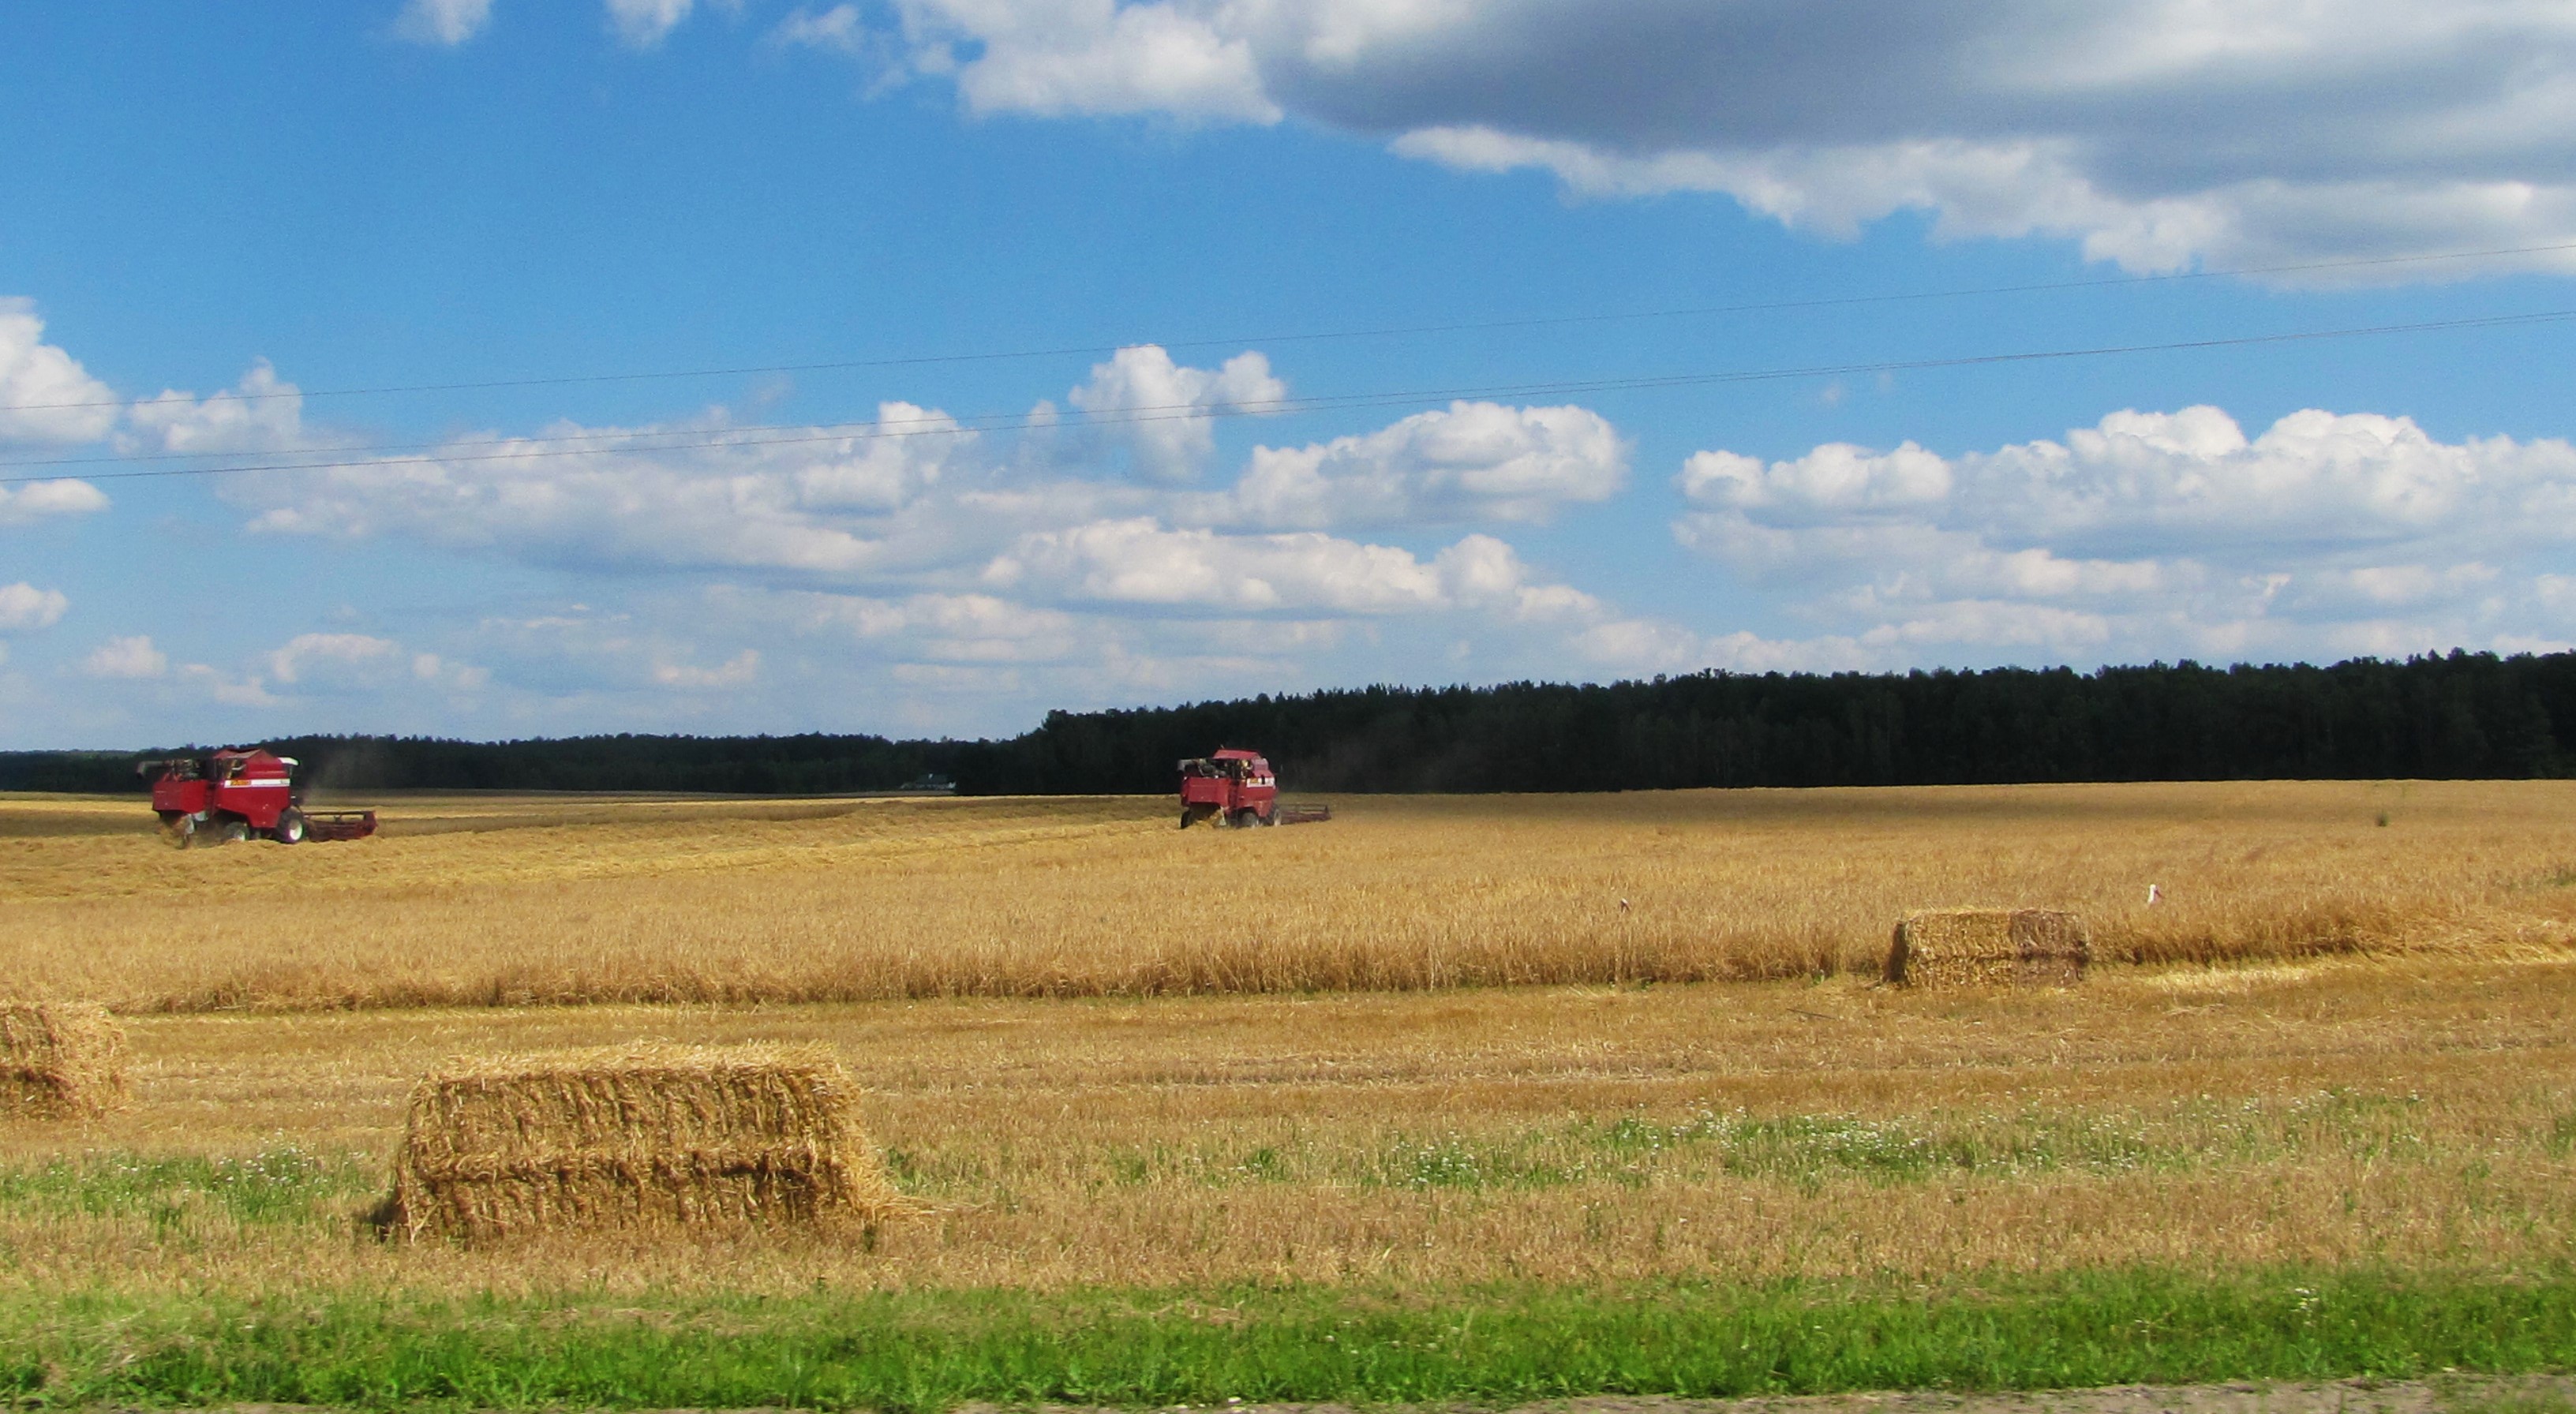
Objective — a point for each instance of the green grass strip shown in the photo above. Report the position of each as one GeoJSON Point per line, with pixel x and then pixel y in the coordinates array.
{"type": "Point", "coordinates": [931, 1350]}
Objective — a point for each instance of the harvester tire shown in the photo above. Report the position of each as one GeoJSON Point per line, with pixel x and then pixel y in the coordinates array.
{"type": "Point", "coordinates": [1187, 815]}
{"type": "Point", "coordinates": [181, 830]}
{"type": "Point", "coordinates": [234, 832]}
{"type": "Point", "coordinates": [290, 827]}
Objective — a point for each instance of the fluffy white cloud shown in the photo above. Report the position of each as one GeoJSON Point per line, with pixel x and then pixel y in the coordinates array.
{"type": "Point", "coordinates": [1058, 57]}
{"type": "Point", "coordinates": [2387, 127]}
{"type": "Point", "coordinates": [261, 413]}
{"type": "Point", "coordinates": [133, 657]}
{"type": "Point", "coordinates": [736, 671]}
{"type": "Point", "coordinates": [841, 28]}
{"type": "Point", "coordinates": [964, 628]}
{"type": "Point", "coordinates": [45, 395]}
{"type": "Point", "coordinates": [24, 608]}
{"type": "Point", "coordinates": [956, 563]}
{"type": "Point", "coordinates": [324, 656]}
{"type": "Point", "coordinates": [1474, 461]}
{"type": "Point", "coordinates": [2157, 533]}
{"type": "Point", "coordinates": [1140, 561]}
{"type": "Point", "coordinates": [820, 500]}
{"type": "Point", "coordinates": [202, 681]}
{"type": "Point", "coordinates": [646, 23]}
{"type": "Point", "coordinates": [1832, 480]}
{"type": "Point", "coordinates": [916, 500]}
{"type": "Point", "coordinates": [1164, 413]}
{"type": "Point", "coordinates": [39, 499]}
{"type": "Point", "coordinates": [447, 22]}
{"type": "Point", "coordinates": [309, 667]}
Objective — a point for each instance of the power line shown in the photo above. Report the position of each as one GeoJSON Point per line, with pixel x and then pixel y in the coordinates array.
{"type": "Point", "coordinates": [1386, 331]}
{"type": "Point", "coordinates": [1173, 412]}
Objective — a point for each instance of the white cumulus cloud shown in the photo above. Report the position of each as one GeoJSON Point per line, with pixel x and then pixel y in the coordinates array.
{"type": "Point", "coordinates": [1141, 562]}
{"type": "Point", "coordinates": [326, 656]}
{"type": "Point", "coordinates": [2157, 534]}
{"type": "Point", "coordinates": [646, 23]}
{"type": "Point", "coordinates": [45, 394]}
{"type": "Point", "coordinates": [133, 657]}
{"type": "Point", "coordinates": [24, 608]}
{"type": "Point", "coordinates": [1164, 412]}
{"type": "Point", "coordinates": [816, 500]}
{"type": "Point", "coordinates": [736, 671]}
{"type": "Point", "coordinates": [2386, 127]}
{"type": "Point", "coordinates": [443, 22]}
{"type": "Point", "coordinates": [39, 499]}
{"type": "Point", "coordinates": [1182, 60]}
{"type": "Point", "coordinates": [261, 413]}
{"type": "Point", "coordinates": [1474, 461]}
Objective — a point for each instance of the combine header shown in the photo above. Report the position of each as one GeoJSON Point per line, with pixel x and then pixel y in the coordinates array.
{"type": "Point", "coordinates": [1237, 788]}
{"type": "Point", "coordinates": [237, 794]}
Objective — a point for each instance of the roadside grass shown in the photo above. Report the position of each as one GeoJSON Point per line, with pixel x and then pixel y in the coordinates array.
{"type": "Point", "coordinates": [929, 1350]}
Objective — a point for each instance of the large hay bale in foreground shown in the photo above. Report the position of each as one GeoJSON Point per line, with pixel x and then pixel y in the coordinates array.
{"type": "Point", "coordinates": [635, 1137]}
{"type": "Point", "coordinates": [60, 1060]}
{"type": "Point", "coordinates": [1995, 947]}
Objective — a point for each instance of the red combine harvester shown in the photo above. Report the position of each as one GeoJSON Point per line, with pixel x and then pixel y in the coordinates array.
{"type": "Point", "coordinates": [237, 794]}
{"type": "Point", "coordinates": [1238, 789]}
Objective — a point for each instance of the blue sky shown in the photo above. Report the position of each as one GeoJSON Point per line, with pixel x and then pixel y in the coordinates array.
{"type": "Point", "coordinates": [225, 232]}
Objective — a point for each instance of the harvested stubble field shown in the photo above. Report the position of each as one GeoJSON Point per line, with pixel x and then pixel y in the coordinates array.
{"type": "Point", "coordinates": [2412, 1112]}
{"type": "Point", "coordinates": [1228, 1112]}
{"type": "Point", "coordinates": [514, 901]}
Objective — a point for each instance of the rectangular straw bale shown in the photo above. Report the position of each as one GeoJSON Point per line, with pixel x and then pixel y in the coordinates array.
{"type": "Point", "coordinates": [60, 1060]}
{"type": "Point", "coordinates": [636, 1137]}
{"type": "Point", "coordinates": [1995, 947]}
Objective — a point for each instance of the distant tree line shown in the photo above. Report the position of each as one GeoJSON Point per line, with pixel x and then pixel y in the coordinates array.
{"type": "Point", "coordinates": [2461, 715]}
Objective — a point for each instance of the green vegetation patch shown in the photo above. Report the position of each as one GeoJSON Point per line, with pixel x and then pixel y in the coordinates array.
{"type": "Point", "coordinates": [932, 1350]}
{"type": "Point", "coordinates": [1810, 1149]}
{"type": "Point", "coordinates": [285, 1185]}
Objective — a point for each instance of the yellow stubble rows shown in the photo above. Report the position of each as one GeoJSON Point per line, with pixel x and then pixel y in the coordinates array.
{"type": "Point", "coordinates": [2376, 1068]}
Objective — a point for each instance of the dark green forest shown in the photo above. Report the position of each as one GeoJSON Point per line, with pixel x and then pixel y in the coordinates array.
{"type": "Point", "coordinates": [2458, 716]}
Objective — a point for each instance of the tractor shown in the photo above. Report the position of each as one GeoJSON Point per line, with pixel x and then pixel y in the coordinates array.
{"type": "Point", "coordinates": [242, 793]}
{"type": "Point", "coordinates": [1237, 788]}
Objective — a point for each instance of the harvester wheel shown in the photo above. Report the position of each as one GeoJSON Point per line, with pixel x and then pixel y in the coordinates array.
{"type": "Point", "coordinates": [180, 829]}
{"type": "Point", "coordinates": [1266, 821]}
{"type": "Point", "coordinates": [234, 832]}
{"type": "Point", "coordinates": [290, 826]}
{"type": "Point", "coordinates": [1187, 815]}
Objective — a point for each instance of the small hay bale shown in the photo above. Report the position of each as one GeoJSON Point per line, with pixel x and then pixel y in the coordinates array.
{"type": "Point", "coordinates": [60, 1060]}
{"type": "Point", "coordinates": [635, 1137]}
{"type": "Point", "coordinates": [1992, 947]}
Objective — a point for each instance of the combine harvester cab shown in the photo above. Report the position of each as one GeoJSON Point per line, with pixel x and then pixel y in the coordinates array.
{"type": "Point", "coordinates": [1238, 788]}
{"type": "Point", "coordinates": [237, 794]}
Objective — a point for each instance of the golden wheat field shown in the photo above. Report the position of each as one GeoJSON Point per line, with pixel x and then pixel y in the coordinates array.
{"type": "Point", "coordinates": [2410, 1111]}
{"type": "Point", "coordinates": [511, 901]}
{"type": "Point", "coordinates": [1096, 1049]}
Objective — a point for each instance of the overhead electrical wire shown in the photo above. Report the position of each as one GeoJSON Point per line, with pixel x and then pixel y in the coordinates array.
{"type": "Point", "coordinates": [1386, 331]}
{"type": "Point", "coordinates": [943, 426]}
